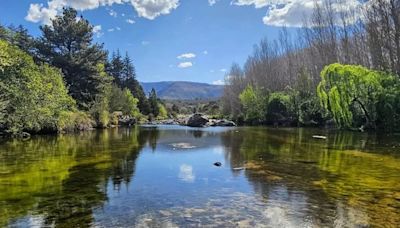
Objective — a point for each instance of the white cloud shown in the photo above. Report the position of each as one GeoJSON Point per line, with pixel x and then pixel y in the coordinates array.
{"type": "Point", "coordinates": [145, 42]}
{"type": "Point", "coordinates": [292, 13]}
{"type": "Point", "coordinates": [186, 173]}
{"type": "Point", "coordinates": [149, 9]}
{"type": "Point", "coordinates": [205, 52]}
{"type": "Point", "coordinates": [111, 30]}
{"type": "Point", "coordinates": [118, 28]}
{"type": "Point", "coordinates": [97, 31]}
{"type": "Point", "coordinates": [185, 64]}
{"type": "Point", "coordinates": [130, 21]}
{"type": "Point", "coordinates": [256, 3]}
{"type": "Point", "coordinates": [37, 13]}
{"type": "Point", "coordinates": [112, 13]}
{"type": "Point", "coordinates": [212, 2]}
{"type": "Point", "coordinates": [186, 56]}
{"type": "Point", "coordinates": [218, 82]}
{"type": "Point", "coordinates": [223, 70]}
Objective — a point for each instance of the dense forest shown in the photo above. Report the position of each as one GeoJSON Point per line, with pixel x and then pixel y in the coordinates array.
{"type": "Point", "coordinates": [342, 67]}
{"type": "Point", "coordinates": [63, 81]}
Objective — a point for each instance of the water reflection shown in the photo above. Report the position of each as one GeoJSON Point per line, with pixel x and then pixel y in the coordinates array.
{"type": "Point", "coordinates": [164, 176]}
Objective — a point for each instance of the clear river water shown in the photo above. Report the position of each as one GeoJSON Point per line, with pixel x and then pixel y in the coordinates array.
{"type": "Point", "coordinates": [164, 176]}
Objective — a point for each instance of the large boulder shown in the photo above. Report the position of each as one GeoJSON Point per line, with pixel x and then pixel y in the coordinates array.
{"type": "Point", "coordinates": [197, 120]}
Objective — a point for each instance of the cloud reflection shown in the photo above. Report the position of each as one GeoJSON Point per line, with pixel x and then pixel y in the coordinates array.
{"type": "Point", "coordinates": [186, 173]}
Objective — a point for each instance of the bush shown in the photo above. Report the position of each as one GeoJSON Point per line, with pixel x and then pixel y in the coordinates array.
{"type": "Point", "coordinates": [253, 102]}
{"type": "Point", "coordinates": [162, 113]}
{"type": "Point", "coordinates": [74, 121]}
{"type": "Point", "coordinates": [34, 95]}
{"type": "Point", "coordinates": [279, 108]}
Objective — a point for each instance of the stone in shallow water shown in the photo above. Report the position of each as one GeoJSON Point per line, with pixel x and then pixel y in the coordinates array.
{"type": "Point", "coordinates": [182, 145]}
{"type": "Point", "coordinates": [165, 213]}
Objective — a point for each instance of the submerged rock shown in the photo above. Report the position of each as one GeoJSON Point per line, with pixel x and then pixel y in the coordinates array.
{"type": "Point", "coordinates": [218, 164]}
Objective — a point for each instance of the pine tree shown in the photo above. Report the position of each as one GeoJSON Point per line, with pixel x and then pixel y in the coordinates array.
{"type": "Point", "coordinates": [153, 100]}
{"type": "Point", "coordinates": [67, 44]}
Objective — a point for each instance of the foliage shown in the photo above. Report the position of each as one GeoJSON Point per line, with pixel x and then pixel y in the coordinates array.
{"type": "Point", "coordinates": [162, 112]}
{"type": "Point", "coordinates": [35, 95]}
{"type": "Point", "coordinates": [253, 103]}
{"type": "Point", "coordinates": [99, 108]}
{"type": "Point", "coordinates": [306, 105]}
{"type": "Point", "coordinates": [123, 72]}
{"type": "Point", "coordinates": [349, 92]}
{"type": "Point", "coordinates": [153, 101]}
{"type": "Point", "coordinates": [388, 107]}
{"type": "Point", "coordinates": [67, 44]}
{"type": "Point", "coordinates": [123, 100]}
{"type": "Point", "coordinates": [69, 121]}
{"type": "Point", "coordinates": [279, 107]}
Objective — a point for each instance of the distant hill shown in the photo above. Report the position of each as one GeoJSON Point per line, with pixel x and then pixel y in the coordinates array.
{"type": "Point", "coordinates": [180, 90]}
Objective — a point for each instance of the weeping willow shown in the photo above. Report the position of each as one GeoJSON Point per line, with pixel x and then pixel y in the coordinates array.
{"type": "Point", "coordinates": [347, 90]}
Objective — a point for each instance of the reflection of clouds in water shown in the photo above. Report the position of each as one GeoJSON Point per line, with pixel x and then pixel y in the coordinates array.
{"type": "Point", "coordinates": [278, 217]}
{"type": "Point", "coordinates": [186, 173]}
{"type": "Point", "coordinates": [350, 217]}
{"type": "Point", "coordinates": [286, 209]}
{"type": "Point", "coordinates": [218, 150]}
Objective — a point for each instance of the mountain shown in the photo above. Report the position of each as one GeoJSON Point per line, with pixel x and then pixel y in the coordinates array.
{"type": "Point", "coordinates": [181, 90]}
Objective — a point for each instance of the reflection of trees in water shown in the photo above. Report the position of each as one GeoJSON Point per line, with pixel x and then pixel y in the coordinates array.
{"type": "Point", "coordinates": [150, 135]}
{"type": "Point", "coordinates": [328, 173]}
{"type": "Point", "coordinates": [64, 178]}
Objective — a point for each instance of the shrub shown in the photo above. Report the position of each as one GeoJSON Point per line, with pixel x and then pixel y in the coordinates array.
{"type": "Point", "coordinates": [34, 95]}
{"type": "Point", "coordinates": [74, 121]}
{"type": "Point", "coordinates": [279, 108]}
{"type": "Point", "coordinates": [253, 102]}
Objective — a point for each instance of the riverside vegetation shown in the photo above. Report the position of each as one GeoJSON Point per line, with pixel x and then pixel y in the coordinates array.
{"type": "Point", "coordinates": [63, 81]}
{"type": "Point", "coordinates": [333, 72]}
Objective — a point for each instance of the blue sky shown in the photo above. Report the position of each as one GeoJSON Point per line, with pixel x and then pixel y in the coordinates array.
{"type": "Point", "coordinates": [179, 40]}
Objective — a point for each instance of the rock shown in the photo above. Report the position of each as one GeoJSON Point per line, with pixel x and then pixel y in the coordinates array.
{"type": "Point", "coordinates": [25, 136]}
{"type": "Point", "coordinates": [126, 121]}
{"type": "Point", "coordinates": [197, 120]}
{"type": "Point", "coordinates": [223, 123]}
{"type": "Point", "coordinates": [165, 213]}
{"type": "Point", "coordinates": [217, 164]}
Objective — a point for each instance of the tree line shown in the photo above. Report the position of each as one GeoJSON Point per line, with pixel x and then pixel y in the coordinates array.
{"type": "Point", "coordinates": [64, 81]}
{"type": "Point", "coordinates": [351, 55]}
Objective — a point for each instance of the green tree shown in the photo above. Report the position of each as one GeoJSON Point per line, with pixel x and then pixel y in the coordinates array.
{"type": "Point", "coordinates": [99, 108]}
{"type": "Point", "coordinates": [350, 92]}
{"type": "Point", "coordinates": [153, 100]}
{"type": "Point", "coordinates": [253, 102]}
{"type": "Point", "coordinates": [123, 101]}
{"type": "Point", "coordinates": [162, 112]}
{"type": "Point", "coordinates": [35, 95]}
{"type": "Point", "coordinates": [67, 44]}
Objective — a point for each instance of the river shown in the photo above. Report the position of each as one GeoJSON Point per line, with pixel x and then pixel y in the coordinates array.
{"type": "Point", "coordinates": [165, 176]}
